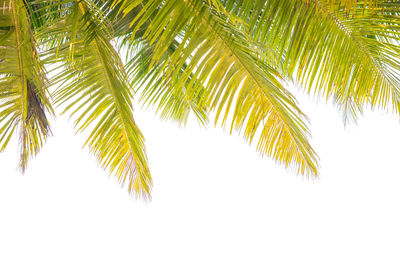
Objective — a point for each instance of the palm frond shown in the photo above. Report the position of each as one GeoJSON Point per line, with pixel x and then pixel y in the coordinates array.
{"type": "Point", "coordinates": [174, 105]}
{"type": "Point", "coordinates": [351, 56]}
{"type": "Point", "coordinates": [228, 58]}
{"type": "Point", "coordinates": [239, 85]}
{"type": "Point", "coordinates": [23, 94]}
{"type": "Point", "coordinates": [95, 90]}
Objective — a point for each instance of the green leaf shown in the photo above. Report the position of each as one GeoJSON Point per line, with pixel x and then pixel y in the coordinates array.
{"type": "Point", "coordinates": [94, 88]}
{"type": "Point", "coordinates": [23, 84]}
{"type": "Point", "coordinates": [232, 77]}
{"type": "Point", "coordinates": [337, 48]}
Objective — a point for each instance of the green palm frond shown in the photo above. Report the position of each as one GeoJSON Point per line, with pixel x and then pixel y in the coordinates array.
{"type": "Point", "coordinates": [348, 5]}
{"type": "Point", "coordinates": [94, 88]}
{"type": "Point", "coordinates": [23, 94]}
{"type": "Point", "coordinates": [238, 84]}
{"type": "Point", "coordinates": [330, 50]}
{"type": "Point", "coordinates": [176, 106]}
{"type": "Point", "coordinates": [170, 104]}
{"type": "Point", "coordinates": [231, 59]}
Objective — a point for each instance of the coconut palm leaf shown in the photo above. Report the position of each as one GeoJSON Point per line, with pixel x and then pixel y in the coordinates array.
{"type": "Point", "coordinates": [23, 96]}
{"type": "Point", "coordinates": [176, 106]}
{"type": "Point", "coordinates": [93, 88]}
{"type": "Point", "coordinates": [170, 104]}
{"type": "Point", "coordinates": [239, 85]}
{"type": "Point", "coordinates": [344, 49]}
{"type": "Point", "coordinates": [228, 58]}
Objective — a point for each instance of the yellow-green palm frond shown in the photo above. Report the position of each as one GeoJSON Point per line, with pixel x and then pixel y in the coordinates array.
{"type": "Point", "coordinates": [348, 5]}
{"type": "Point", "coordinates": [170, 104]}
{"type": "Point", "coordinates": [175, 105]}
{"type": "Point", "coordinates": [94, 88]}
{"type": "Point", "coordinates": [222, 64]}
{"type": "Point", "coordinates": [23, 95]}
{"type": "Point", "coordinates": [349, 56]}
{"type": "Point", "coordinates": [228, 58]}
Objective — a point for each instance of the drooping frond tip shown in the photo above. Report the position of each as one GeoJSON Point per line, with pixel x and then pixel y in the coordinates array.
{"type": "Point", "coordinates": [35, 122]}
{"type": "Point", "coordinates": [214, 64]}
{"type": "Point", "coordinates": [96, 91]}
{"type": "Point", "coordinates": [23, 92]}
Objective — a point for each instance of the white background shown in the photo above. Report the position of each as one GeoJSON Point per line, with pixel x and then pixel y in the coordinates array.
{"type": "Point", "coordinates": [216, 202]}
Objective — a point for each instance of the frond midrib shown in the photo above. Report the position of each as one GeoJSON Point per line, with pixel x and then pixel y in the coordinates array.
{"type": "Point", "coordinates": [24, 107]}
{"type": "Point", "coordinates": [113, 93]}
{"type": "Point", "coordinates": [287, 129]}
{"type": "Point", "coordinates": [365, 50]}
{"type": "Point", "coordinates": [112, 89]}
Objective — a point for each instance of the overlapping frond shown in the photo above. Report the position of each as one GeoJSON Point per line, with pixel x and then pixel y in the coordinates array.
{"type": "Point", "coordinates": [228, 57]}
{"type": "Point", "coordinates": [348, 5]}
{"type": "Point", "coordinates": [170, 104]}
{"type": "Point", "coordinates": [94, 88]}
{"type": "Point", "coordinates": [23, 95]}
{"type": "Point", "coordinates": [237, 82]}
{"type": "Point", "coordinates": [176, 106]}
{"type": "Point", "coordinates": [331, 51]}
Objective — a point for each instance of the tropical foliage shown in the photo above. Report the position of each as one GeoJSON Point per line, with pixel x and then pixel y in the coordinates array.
{"type": "Point", "coordinates": [229, 61]}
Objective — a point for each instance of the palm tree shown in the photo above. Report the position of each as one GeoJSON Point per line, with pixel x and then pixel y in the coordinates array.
{"type": "Point", "coordinates": [225, 60]}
